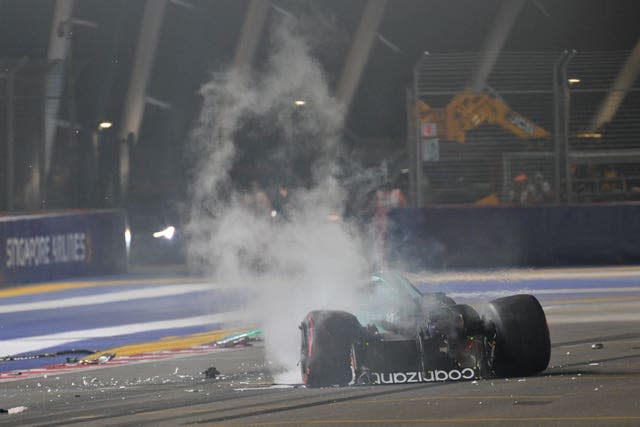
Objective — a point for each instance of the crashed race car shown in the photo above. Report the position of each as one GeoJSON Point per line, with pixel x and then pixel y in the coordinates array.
{"type": "Point", "coordinates": [399, 335]}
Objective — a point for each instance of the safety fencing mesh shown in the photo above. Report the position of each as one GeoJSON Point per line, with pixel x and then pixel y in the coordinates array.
{"type": "Point", "coordinates": [604, 128]}
{"type": "Point", "coordinates": [589, 151]}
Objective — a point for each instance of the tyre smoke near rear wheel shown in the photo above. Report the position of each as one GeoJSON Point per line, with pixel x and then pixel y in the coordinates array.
{"type": "Point", "coordinates": [327, 337]}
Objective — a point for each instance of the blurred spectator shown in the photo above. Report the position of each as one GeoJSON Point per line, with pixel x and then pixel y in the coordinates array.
{"type": "Point", "coordinates": [518, 188]}
{"type": "Point", "coordinates": [257, 201]}
{"type": "Point", "coordinates": [388, 197]}
{"type": "Point", "coordinates": [280, 201]}
{"type": "Point", "coordinates": [537, 191]}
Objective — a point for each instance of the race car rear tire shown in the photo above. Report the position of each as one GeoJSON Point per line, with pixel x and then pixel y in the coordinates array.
{"type": "Point", "coordinates": [471, 322]}
{"type": "Point", "coordinates": [522, 344]}
{"type": "Point", "coordinates": [327, 338]}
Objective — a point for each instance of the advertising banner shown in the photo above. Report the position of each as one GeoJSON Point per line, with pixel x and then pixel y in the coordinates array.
{"type": "Point", "coordinates": [58, 245]}
{"type": "Point", "coordinates": [513, 236]}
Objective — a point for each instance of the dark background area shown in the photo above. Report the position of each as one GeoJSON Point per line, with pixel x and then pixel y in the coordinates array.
{"type": "Point", "coordinates": [199, 40]}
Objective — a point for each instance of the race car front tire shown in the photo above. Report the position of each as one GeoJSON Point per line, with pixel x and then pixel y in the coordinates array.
{"type": "Point", "coordinates": [327, 338]}
{"type": "Point", "coordinates": [522, 343]}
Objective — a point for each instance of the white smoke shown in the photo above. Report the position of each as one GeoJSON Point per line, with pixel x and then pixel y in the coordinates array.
{"type": "Point", "coordinates": [287, 268]}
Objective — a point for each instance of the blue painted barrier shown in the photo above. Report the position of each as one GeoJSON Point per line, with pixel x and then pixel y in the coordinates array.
{"type": "Point", "coordinates": [58, 245]}
{"type": "Point", "coordinates": [506, 236]}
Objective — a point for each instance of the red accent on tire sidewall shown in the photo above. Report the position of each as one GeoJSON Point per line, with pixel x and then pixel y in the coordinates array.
{"type": "Point", "coordinates": [310, 339]}
{"type": "Point", "coordinates": [312, 330]}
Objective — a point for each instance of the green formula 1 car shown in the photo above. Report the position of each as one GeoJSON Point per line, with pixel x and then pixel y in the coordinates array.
{"type": "Point", "coordinates": [397, 335]}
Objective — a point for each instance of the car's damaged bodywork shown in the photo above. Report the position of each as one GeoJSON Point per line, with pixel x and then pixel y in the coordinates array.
{"type": "Point", "coordinates": [398, 335]}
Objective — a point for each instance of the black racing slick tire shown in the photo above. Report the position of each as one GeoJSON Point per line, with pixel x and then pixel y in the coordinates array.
{"type": "Point", "coordinates": [327, 339]}
{"type": "Point", "coordinates": [521, 335]}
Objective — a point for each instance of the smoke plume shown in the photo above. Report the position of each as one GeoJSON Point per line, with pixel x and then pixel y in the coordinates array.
{"type": "Point", "coordinates": [286, 267]}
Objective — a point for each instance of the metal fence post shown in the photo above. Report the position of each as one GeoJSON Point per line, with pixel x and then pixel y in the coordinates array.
{"type": "Point", "coordinates": [561, 114]}
{"type": "Point", "coordinates": [42, 152]}
{"type": "Point", "coordinates": [566, 96]}
{"type": "Point", "coordinates": [419, 199]}
{"type": "Point", "coordinates": [557, 126]}
{"type": "Point", "coordinates": [411, 144]}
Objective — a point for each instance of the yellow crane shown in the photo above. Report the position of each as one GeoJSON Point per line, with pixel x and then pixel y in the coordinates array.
{"type": "Point", "coordinates": [468, 110]}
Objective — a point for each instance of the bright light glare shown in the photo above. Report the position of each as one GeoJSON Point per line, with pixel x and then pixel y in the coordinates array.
{"type": "Point", "coordinates": [127, 238]}
{"type": "Point", "coordinates": [573, 81]}
{"type": "Point", "coordinates": [300, 102]}
{"type": "Point", "coordinates": [273, 213]}
{"type": "Point", "coordinates": [105, 125]}
{"type": "Point", "coordinates": [589, 135]}
{"type": "Point", "coordinates": [167, 233]}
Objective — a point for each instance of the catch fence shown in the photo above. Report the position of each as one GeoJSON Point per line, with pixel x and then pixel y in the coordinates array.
{"type": "Point", "coordinates": [585, 106]}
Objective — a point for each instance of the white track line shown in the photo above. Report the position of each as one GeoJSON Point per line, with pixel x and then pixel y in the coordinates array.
{"type": "Point", "coordinates": [562, 291]}
{"type": "Point", "coordinates": [507, 276]}
{"type": "Point", "coordinates": [138, 294]}
{"type": "Point", "coordinates": [595, 313]}
{"type": "Point", "coordinates": [30, 344]}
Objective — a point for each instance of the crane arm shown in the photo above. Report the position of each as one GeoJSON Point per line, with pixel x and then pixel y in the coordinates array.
{"type": "Point", "coordinates": [468, 110]}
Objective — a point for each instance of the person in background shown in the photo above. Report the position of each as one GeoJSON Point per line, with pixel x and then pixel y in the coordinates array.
{"type": "Point", "coordinates": [538, 191]}
{"type": "Point", "coordinates": [388, 197]}
{"type": "Point", "coordinates": [257, 201]}
{"type": "Point", "coordinates": [280, 202]}
{"type": "Point", "coordinates": [518, 188]}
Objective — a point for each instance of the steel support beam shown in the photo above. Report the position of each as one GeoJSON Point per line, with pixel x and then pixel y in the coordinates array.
{"type": "Point", "coordinates": [493, 44]}
{"type": "Point", "coordinates": [252, 27]}
{"type": "Point", "coordinates": [136, 93]}
{"type": "Point", "coordinates": [359, 52]}
{"type": "Point", "coordinates": [54, 85]}
{"type": "Point", "coordinates": [624, 81]}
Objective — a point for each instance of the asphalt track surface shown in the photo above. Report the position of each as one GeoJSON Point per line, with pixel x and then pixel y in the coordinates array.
{"type": "Point", "coordinates": [593, 378]}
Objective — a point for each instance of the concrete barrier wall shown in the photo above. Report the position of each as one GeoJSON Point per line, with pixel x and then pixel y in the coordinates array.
{"type": "Point", "coordinates": [495, 236]}
{"type": "Point", "coordinates": [54, 246]}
